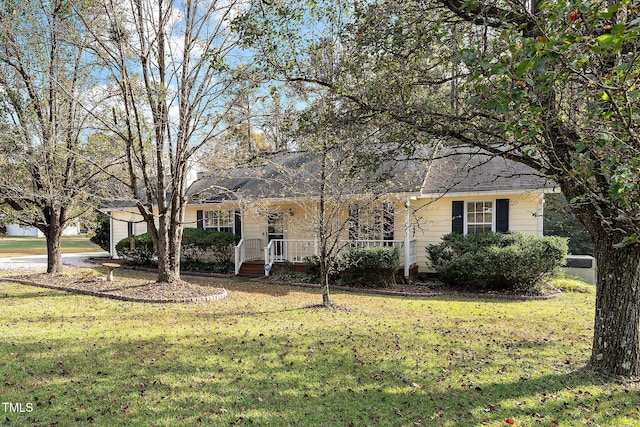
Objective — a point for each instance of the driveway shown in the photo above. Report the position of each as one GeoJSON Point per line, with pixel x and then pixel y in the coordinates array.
{"type": "Point", "coordinates": [39, 262]}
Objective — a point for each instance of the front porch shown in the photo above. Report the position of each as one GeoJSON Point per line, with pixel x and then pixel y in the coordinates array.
{"type": "Point", "coordinates": [251, 258]}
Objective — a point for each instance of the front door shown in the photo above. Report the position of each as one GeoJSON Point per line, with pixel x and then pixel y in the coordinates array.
{"type": "Point", "coordinates": [275, 230]}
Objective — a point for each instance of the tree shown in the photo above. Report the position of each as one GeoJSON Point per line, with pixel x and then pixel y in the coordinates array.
{"type": "Point", "coordinates": [102, 232]}
{"type": "Point", "coordinates": [169, 72]}
{"type": "Point", "coordinates": [553, 85]}
{"type": "Point", "coordinates": [559, 221]}
{"type": "Point", "coordinates": [49, 172]}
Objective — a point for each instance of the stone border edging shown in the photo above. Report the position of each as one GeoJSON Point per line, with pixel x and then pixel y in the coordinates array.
{"type": "Point", "coordinates": [216, 297]}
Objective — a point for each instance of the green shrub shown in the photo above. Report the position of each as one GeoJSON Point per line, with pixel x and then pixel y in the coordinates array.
{"type": "Point", "coordinates": [207, 246]}
{"type": "Point", "coordinates": [497, 261]}
{"type": "Point", "coordinates": [204, 238]}
{"type": "Point", "coordinates": [371, 267]}
{"type": "Point", "coordinates": [199, 246]}
{"type": "Point", "coordinates": [312, 264]}
{"type": "Point", "coordinates": [560, 221]}
{"type": "Point", "coordinates": [221, 267]}
{"type": "Point", "coordinates": [102, 233]}
{"type": "Point", "coordinates": [285, 268]}
{"type": "Point", "coordinates": [143, 252]}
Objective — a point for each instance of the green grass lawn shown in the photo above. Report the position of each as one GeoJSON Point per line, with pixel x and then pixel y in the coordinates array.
{"type": "Point", "coordinates": [265, 357]}
{"type": "Point", "coordinates": [14, 246]}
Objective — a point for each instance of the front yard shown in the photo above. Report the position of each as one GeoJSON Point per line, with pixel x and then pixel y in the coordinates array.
{"type": "Point", "coordinates": [17, 246]}
{"type": "Point", "coordinates": [268, 356]}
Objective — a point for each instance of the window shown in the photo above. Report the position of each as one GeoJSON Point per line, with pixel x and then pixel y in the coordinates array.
{"type": "Point", "coordinates": [368, 222]}
{"type": "Point", "coordinates": [479, 217]}
{"type": "Point", "coordinates": [219, 220]}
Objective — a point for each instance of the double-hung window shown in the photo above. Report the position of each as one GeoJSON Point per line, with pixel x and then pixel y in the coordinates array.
{"type": "Point", "coordinates": [479, 217]}
{"type": "Point", "coordinates": [371, 222]}
{"type": "Point", "coordinates": [218, 220]}
{"type": "Point", "coordinates": [470, 217]}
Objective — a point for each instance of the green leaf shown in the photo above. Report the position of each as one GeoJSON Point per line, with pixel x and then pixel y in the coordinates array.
{"type": "Point", "coordinates": [618, 29]}
{"type": "Point", "coordinates": [522, 67]}
{"type": "Point", "coordinates": [629, 240]}
{"type": "Point", "coordinates": [605, 40]}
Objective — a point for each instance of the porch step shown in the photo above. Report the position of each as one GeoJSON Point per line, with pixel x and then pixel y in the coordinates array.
{"type": "Point", "coordinates": [252, 269]}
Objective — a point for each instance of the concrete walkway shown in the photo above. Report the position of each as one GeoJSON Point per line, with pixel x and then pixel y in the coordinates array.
{"type": "Point", "coordinates": [39, 262]}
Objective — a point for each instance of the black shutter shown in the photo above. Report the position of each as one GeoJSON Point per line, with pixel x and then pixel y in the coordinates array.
{"type": "Point", "coordinates": [387, 221]}
{"type": "Point", "coordinates": [130, 229]}
{"type": "Point", "coordinates": [353, 222]}
{"type": "Point", "coordinates": [457, 217]}
{"type": "Point", "coordinates": [502, 215]}
{"type": "Point", "coordinates": [199, 219]}
{"type": "Point", "coordinates": [237, 225]}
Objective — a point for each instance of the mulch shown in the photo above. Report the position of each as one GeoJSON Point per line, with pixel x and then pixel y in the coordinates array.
{"type": "Point", "coordinates": [125, 289]}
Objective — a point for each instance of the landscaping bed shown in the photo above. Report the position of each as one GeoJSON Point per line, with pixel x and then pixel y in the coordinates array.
{"type": "Point", "coordinates": [429, 288]}
{"type": "Point", "coordinates": [126, 289]}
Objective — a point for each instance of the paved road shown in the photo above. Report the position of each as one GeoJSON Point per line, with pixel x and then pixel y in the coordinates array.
{"type": "Point", "coordinates": [39, 262]}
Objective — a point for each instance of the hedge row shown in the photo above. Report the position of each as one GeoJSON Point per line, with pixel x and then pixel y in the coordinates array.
{"type": "Point", "coordinates": [371, 267]}
{"type": "Point", "coordinates": [199, 247]}
{"type": "Point", "coordinates": [497, 261]}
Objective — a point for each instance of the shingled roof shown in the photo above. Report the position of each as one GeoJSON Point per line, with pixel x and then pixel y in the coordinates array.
{"type": "Point", "coordinates": [296, 175]}
{"type": "Point", "coordinates": [471, 170]}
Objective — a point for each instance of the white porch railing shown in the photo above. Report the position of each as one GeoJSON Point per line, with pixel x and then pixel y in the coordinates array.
{"type": "Point", "coordinates": [289, 250]}
{"type": "Point", "coordinates": [279, 250]}
{"type": "Point", "coordinates": [413, 253]}
{"type": "Point", "coordinates": [247, 250]}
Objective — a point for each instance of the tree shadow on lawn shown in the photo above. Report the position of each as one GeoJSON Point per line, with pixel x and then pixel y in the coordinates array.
{"type": "Point", "coordinates": [281, 379]}
{"type": "Point", "coordinates": [34, 294]}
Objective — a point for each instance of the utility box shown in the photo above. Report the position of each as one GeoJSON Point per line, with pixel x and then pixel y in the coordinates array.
{"type": "Point", "coordinates": [583, 266]}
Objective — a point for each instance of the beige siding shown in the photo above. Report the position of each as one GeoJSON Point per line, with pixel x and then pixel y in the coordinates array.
{"type": "Point", "coordinates": [190, 217]}
{"type": "Point", "coordinates": [120, 227]}
{"type": "Point", "coordinates": [431, 218]}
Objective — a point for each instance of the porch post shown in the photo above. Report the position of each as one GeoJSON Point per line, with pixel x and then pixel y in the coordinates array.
{"type": "Point", "coordinates": [112, 242]}
{"type": "Point", "coordinates": [236, 251]}
{"type": "Point", "coordinates": [316, 234]}
{"type": "Point", "coordinates": [540, 214]}
{"type": "Point", "coordinates": [407, 240]}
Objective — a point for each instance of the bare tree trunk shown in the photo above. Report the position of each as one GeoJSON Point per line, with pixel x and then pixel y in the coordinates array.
{"type": "Point", "coordinates": [54, 254]}
{"type": "Point", "coordinates": [175, 239]}
{"type": "Point", "coordinates": [326, 301]}
{"type": "Point", "coordinates": [322, 228]}
{"type": "Point", "coordinates": [53, 232]}
{"type": "Point", "coordinates": [168, 270]}
{"type": "Point", "coordinates": [617, 319]}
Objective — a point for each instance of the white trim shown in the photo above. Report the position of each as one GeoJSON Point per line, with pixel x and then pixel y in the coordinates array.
{"type": "Point", "coordinates": [484, 193]}
{"type": "Point", "coordinates": [540, 214]}
{"type": "Point", "coordinates": [407, 239]}
{"type": "Point", "coordinates": [218, 219]}
{"type": "Point", "coordinates": [465, 222]}
{"type": "Point", "coordinates": [112, 244]}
